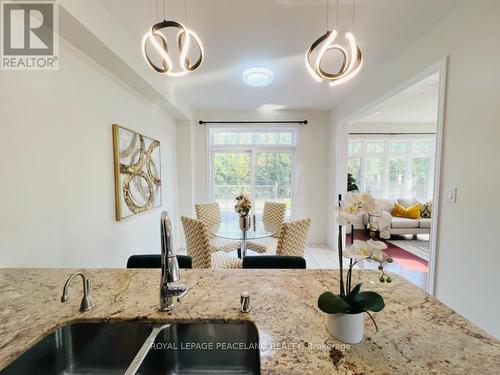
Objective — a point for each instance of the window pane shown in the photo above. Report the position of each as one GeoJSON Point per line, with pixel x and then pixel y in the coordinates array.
{"type": "Point", "coordinates": [397, 178]}
{"type": "Point", "coordinates": [232, 138]}
{"type": "Point", "coordinates": [397, 147]}
{"type": "Point", "coordinates": [219, 138]}
{"type": "Point", "coordinates": [259, 138]}
{"type": "Point", "coordinates": [421, 147]}
{"type": "Point", "coordinates": [354, 168]}
{"type": "Point", "coordinates": [285, 138]}
{"type": "Point", "coordinates": [374, 147]}
{"type": "Point", "coordinates": [374, 177]}
{"type": "Point", "coordinates": [245, 139]}
{"type": "Point", "coordinates": [273, 179]}
{"type": "Point", "coordinates": [272, 138]}
{"type": "Point", "coordinates": [231, 177]}
{"type": "Point", "coordinates": [419, 178]}
{"type": "Point", "coordinates": [355, 147]}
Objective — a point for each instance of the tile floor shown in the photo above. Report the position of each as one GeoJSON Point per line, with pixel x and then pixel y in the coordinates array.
{"type": "Point", "coordinates": [321, 257]}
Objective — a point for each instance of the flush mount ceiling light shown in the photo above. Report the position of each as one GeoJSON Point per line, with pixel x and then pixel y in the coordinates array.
{"type": "Point", "coordinates": [257, 76]}
{"type": "Point", "coordinates": [157, 41]}
{"type": "Point", "coordinates": [352, 59]}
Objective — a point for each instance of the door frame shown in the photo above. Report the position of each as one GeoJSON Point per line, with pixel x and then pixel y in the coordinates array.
{"type": "Point", "coordinates": [342, 136]}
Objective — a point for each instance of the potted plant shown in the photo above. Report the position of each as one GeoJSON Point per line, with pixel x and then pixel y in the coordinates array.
{"type": "Point", "coordinates": [345, 309]}
{"type": "Point", "coordinates": [242, 208]}
{"type": "Point", "coordinates": [352, 184]}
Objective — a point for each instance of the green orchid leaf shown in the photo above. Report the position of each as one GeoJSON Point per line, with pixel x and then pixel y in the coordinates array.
{"type": "Point", "coordinates": [369, 301]}
{"type": "Point", "coordinates": [355, 290]}
{"type": "Point", "coordinates": [332, 304]}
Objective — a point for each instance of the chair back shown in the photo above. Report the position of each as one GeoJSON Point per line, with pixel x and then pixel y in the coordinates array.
{"type": "Point", "coordinates": [197, 242]}
{"type": "Point", "coordinates": [292, 238]}
{"type": "Point", "coordinates": [208, 213]}
{"type": "Point", "coordinates": [274, 261]}
{"type": "Point", "coordinates": [154, 261]}
{"type": "Point", "coordinates": [274, 214]}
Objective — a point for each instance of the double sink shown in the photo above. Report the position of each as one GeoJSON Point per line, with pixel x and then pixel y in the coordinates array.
{"type": "Point", "coordinates": [144, 348]}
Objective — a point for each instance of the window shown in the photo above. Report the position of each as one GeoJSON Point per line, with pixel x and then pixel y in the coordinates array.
{"type": "Point", "coordinates": [254, 161]}
{"type": "Point", "coordinates": [393, 166]}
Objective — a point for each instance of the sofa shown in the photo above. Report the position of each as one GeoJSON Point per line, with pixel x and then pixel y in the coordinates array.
{"type": "Point", "coordinates": [402, 225]}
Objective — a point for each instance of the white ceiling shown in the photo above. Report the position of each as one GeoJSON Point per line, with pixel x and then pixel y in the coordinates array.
{"type": "Point", "coordinates": [416, 104]}
{"type": "Point", "coordinates": [238, 34]}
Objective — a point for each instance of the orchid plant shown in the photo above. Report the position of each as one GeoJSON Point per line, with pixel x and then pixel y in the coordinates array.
{"type": "Point", "coordinates": [243, 205]}
{"type": "Point", "coordinates": [351, 300]}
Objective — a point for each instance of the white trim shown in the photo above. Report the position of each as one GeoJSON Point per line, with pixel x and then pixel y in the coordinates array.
{"type": "Point", "coordinates": [442, 69]}
{"type": "Point", "coordinates": [342, 131]}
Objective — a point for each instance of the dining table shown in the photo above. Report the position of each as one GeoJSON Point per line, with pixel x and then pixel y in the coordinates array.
{"type": "Point", "coordinates": [231, 230]}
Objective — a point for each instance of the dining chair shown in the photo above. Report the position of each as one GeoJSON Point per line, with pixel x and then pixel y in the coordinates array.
{"type": "Point", "coordinates": [202, 252]}
{"type": "Point", "coordinates": [293, 236]}
{"type": "Point", "coordinates": [209, 213]}
{"type": "Point", "coordinates": [154, 261]}
{"type": "Point", "coordinates": [273, 216]}
{"type": "Point", "coordinates": [274, 261]}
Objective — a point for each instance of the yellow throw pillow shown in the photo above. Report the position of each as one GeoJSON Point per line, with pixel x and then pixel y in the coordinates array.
{"type": "Point", "coordinates": [412, 212]}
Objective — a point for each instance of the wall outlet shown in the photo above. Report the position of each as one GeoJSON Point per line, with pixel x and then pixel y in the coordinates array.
{"type": "Point", "coordinates": [451, 194]}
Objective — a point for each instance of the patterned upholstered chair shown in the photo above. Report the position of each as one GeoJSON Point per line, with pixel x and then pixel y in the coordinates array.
{"type": "Point", "coordinates": [274, 216]}
{"type": "Point", "coordinates": [209, 213]}
{"type": "Point", "coordinates": [293, 236]}
{"type": "Point", "coordinates": [199, 248]}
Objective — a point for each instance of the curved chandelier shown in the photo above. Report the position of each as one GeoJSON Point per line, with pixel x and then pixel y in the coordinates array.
{"type": "Point", "coordinates": [186, 39]}
{"type": "Point", "coordinates": [352, 59]}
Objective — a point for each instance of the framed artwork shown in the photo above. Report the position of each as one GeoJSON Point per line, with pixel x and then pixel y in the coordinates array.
{"type": "Point", "coordinates": [137, 172]}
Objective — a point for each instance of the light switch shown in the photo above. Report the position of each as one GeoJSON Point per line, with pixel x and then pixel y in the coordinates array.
{"type": "Point", "coordinates": [451, 194]}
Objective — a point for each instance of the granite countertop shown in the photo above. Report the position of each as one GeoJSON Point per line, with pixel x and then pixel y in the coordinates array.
{"type": "Point", "coordinates": [418, 334]}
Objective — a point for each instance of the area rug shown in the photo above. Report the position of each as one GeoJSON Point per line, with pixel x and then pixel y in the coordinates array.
{"type": "Point", "coordinates": [418, 248]}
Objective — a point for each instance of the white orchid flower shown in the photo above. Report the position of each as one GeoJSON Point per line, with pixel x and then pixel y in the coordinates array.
{"type": "Point", "coordinates": [358, 250]}
{"type": "Point", "coordinates": [378, 245]}
{"type": "Point", "coordinates": [385, 234]}
{"type": "Point", "coordinates": [377, 254]}
{"type": "Point", "coordinates": [349, 210]}
{"type": "Point", "coordinates": [368, 204]}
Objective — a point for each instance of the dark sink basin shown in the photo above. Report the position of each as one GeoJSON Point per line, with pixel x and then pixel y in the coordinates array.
{"type": "Point", "coordinates": [83, 348]}
{"type": "Point", "coordinates": [204, 348]}
{"type": "Point", "coordinates": [143, 348]}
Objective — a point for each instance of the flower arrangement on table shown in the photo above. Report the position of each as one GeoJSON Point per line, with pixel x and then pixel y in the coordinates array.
{"type": "Point", "coordinates": [350, 299]}
{"type": "Point", "coordinates": [243, 205]}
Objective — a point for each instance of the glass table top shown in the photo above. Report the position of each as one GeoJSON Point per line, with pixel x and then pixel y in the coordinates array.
{"type": "Point", "coordinates": [231, 231]}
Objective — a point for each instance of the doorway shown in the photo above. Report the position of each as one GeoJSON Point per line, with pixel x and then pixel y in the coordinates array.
{"type": "Point", "coordinates": [391, 149]}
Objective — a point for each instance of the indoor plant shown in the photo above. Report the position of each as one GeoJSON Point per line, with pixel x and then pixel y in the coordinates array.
{"type": "Point", "coordinates": [345, 319]}
{"type": "Point", "coordinates": [242, 208]}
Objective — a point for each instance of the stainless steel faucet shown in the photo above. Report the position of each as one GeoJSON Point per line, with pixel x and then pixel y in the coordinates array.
{"type": "Point", "coordinates": [87, 303]}
{"type": "Point", "coordinates": [170, 286]}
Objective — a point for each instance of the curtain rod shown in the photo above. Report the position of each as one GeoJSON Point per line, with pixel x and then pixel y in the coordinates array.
{"type": "Point", "coordinates": [300, 122]}
{"type": "Point", "coordinates": [392, 133]}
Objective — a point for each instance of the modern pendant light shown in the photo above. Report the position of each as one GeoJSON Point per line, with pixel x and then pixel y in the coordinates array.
{"type": "Point", "coordinates": [352, 59]}
{"type": "Point", "coordinates": [186, 39]}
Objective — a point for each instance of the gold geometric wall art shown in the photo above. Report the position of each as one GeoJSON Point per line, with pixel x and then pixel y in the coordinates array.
{"type": "Point", "coordinates": [137, 172]}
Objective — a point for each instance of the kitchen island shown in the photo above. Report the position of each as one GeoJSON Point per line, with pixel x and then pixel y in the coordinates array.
{"type": "Point", "coordinates": [418, 334]}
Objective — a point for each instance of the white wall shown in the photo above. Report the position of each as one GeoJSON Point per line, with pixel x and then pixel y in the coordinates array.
{"type": "Point", "coordinates": [57, 166]}
{"type": "Point", "coordinates": [311, 161]}
{"type": "Point", "coordinates": [467, 275]}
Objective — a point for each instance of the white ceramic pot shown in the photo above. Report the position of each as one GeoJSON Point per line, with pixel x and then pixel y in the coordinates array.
{"type": "Point", "coordinates": [348, 328]}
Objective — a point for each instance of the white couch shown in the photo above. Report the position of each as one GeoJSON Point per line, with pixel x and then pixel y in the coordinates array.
{"type": "Point", "coordinates": [402, 225]}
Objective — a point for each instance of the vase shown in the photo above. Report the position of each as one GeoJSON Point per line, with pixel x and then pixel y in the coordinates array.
{"type": "Point", "coordinates": [245, 222]}
{"type": "Point", "coordinates": [348, 328]}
